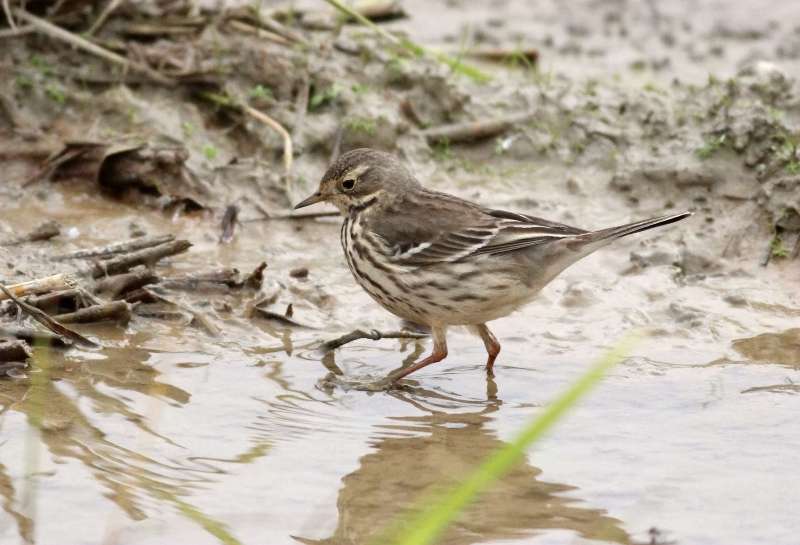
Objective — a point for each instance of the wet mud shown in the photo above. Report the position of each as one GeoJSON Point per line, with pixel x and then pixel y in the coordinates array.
{"type": "Point", "coordinates": [218, 419]}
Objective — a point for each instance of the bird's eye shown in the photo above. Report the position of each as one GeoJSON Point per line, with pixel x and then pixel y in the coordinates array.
{"type": "Point", "coordinates": [349, 184]}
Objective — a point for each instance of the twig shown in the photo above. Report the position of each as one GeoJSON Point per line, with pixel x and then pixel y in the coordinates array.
{"type": "Point", "coordinates": [278, 28]}
{"type": "Point", "coordinates": [277, 317]}
{"type": "Point", "coordinates": [416, 49]}
{"type": "Point", "coordinates": [47, 321]}
{"type": "Point", "coordinates": [288, 153]}
{"type": "Point", "coordinates": [19, 31]}
{"type": "Point", "coordinates": [101, 19]}
{"type": "Point", "coordinates": [119, 284]}
{"type": "Point", "coordinates": [59, 33]}
{"type": "Point", "coordinates": [373, 335]}
{"type": "Point", "coordinates": [56, 299]}
{"type": "Point", "coordinates": [527, 55]}
{"type": "Point", "coordinates": [306, 216]}
{"type": "Point", "coordinates": [241, 26]}
{"type": "Point", "coordinates": [198, 318]}
{"type": "Point", "coordinates": [9, 17]}
{"type": "Point", "coordinates": [32, 336]}
{"type": "Point", "coordinates": [228, 278]}
{"type": "Point", "coordinates": [118, 248]}
{"type": "Point", "coordinates": [118, 311]}
{"type": "Point", "coordinates": [57, 282]}
{"type": "Point", "coordinates": [148, 256]}
{"type": "Point", "coordinates": [474, 130]}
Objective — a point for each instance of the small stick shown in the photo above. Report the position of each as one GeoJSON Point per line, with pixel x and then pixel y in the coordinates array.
{"type": "Point", "coordinates": [101, 19]}
{"type": "Point", "coordinates": [288, 153]}
{"type": "Point", "coordinates": [147, 256]}
{"type": "Point", "coordinates": [47, 321]}
{"type": "Point", "coordinates": [306, 216]}
{"type": "Point", "coordinates": [32, 336]}
{"type": "Point", "coordinates": [119, 284]}
{"type": "Point", "coordinates": [117, 248]}
{"type": "Point", "coordinates": [198, 318]}
{"type": "Point", "coordinates": [277, 317]}
{"type": "Point", "coordinates": [229, 278]}
{"type": "Point", "coordinates": [260, 32]}
{"type": "Point", "coordinates": [9, 17]}
{"type": "Point", "coordinates": [527, 55]}
{"type": "Point", "coordinates": [473, 130]}
{"type": "Point", "coordinates": [19, 31]}
{"type": "Point", "coordinates": [118, 311]}
{"type": "Point", "coordinates": [56, 299]}
{"type": "Point", "coordinates": [283, 30]}
{"type": "Point", "coordinates": [82, 43]}
{"type": "Point", "coordinates": [373, 335]}
{"type": "Point", "coordinates": [57, 282]}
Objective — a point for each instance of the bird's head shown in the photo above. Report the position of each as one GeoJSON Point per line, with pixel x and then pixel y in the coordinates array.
{"type": "Point", "coordinates": [360, 177]}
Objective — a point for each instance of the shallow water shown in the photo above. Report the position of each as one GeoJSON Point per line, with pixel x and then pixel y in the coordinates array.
{"type": "Point", "coordinates": [169, 435]}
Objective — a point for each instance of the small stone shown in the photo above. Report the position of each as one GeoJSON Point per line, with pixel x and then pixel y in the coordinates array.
{"type": "Point", "coordinates": [299, 272]}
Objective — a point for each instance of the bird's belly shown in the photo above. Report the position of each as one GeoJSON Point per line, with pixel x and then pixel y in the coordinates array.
{"type": "Point", "coordinates": [448, 294]}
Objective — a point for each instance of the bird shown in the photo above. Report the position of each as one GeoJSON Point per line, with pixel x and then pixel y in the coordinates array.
{"type": "Point", "coordinates": [438, 260]}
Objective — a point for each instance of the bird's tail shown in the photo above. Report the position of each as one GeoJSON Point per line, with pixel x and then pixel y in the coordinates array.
{"type": "Point", "coordinates": [637, 227]}
{"type": "Point", "coordinates": [594, 240]}
{"type": "Point", "coordinates": [579, 246]}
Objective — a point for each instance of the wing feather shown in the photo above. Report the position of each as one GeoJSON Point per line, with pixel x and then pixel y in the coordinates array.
{"type": "Point", "coordinates": [497, 232]}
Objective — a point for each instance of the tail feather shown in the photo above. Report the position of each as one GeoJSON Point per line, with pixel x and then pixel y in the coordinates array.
{"type": "Point", "coordinates": [637, 227]}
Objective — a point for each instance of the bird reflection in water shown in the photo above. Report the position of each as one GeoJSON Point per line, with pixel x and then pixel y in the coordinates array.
{"type": "Point", "coordinates": [416, 454]}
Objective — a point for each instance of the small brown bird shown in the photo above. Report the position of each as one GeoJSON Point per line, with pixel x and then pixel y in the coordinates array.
{"type": "Point", "coordinates": [438, 260]}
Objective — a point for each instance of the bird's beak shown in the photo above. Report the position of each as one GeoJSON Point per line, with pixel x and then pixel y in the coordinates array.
{"type": "Point", "coordinates": [313, 199]}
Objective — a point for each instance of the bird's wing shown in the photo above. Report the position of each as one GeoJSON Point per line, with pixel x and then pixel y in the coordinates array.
{"type": "Point", "coordinates": [462, 229]}
{"type": "Point", "coordinates": [519, 231]}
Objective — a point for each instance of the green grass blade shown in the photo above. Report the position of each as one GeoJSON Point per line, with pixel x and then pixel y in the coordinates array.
{"type": "Point", "coordinates": [455, 64]}
{"type": "Point", "coordinates": [424, 527]}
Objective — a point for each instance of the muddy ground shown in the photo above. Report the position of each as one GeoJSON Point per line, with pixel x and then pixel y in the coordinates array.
{"type": "Point", "coordinates": [216, 418]}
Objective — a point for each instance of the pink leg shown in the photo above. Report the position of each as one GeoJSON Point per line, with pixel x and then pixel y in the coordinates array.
{"type": "Point", "coordinates": [439, 353]}
{"type": "Point", "coordinates": [491, 344]}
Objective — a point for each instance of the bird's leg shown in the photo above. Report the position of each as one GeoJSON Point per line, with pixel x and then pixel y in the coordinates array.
{"type": "Point", "coordinates": [492, 346]}
{"type": "Point", "coordinates": [439, 353]}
